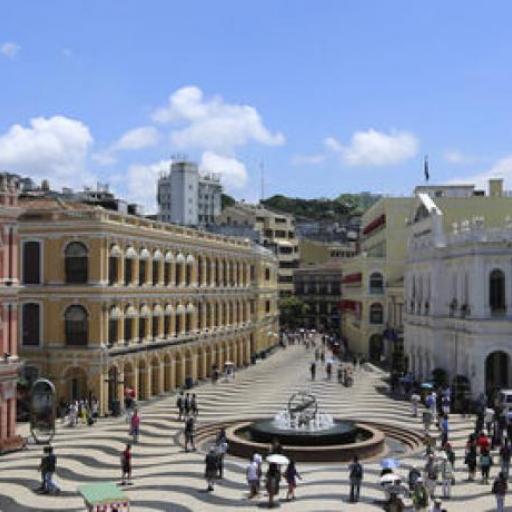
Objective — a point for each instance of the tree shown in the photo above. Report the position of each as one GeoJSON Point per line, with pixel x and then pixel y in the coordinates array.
{"type": "Point", "coordinates": [292, 312]}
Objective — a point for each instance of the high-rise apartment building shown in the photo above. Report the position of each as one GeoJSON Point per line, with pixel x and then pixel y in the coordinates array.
{"type": "Point", "coordinates": [187, 197]}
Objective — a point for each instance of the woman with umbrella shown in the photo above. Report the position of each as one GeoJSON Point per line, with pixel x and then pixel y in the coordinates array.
{"type": "Point", "coordinates": [273, 477]}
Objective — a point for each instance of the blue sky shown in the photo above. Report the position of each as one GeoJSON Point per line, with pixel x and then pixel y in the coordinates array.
{"type": "Point", "coordinates": [332, 96]}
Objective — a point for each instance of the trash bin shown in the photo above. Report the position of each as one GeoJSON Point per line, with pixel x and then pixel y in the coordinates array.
{"type": "Point", "coordinates": [116, 408]}
{"type": "Point", "coordinates": [189, 382]}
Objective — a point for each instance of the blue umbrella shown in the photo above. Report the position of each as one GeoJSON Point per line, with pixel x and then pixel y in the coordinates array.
{"type": "Point", "coordinates": [389, 463]}
{"type": "Point", "coordinates": [427, 385]}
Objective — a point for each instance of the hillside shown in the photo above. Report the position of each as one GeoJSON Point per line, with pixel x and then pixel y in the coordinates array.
{"type": "Point", "coordinates": [345, 205]}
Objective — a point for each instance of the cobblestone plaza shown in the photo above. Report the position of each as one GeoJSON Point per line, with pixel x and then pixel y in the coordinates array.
{"type": "Point", "coordinates": [167, 478]}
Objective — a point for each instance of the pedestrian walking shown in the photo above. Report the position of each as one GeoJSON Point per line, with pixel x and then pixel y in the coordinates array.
{"type": "Point", "coordinates": [189, 432]}
{"type": "Point", "coordinates": [291, 476]}
{"type": "Point", "coordinates": [355, 470]}
{"type": "Point", "coordinates": [273, 479]}
{"type": "Point", "coordinates": [499, 489]}
{"type": "Point", "coordinates": [505, 454]}
{"type": "Point", "coordinates": [253, 479]}
{"type": "Point", "coordinates": [186, 405]}
{"type": "Point", "coordinates": [430, 475]}
{"type": "Point", "coordinates": [485, 465]}
{"type": "Point", "coordinates": [445, 427]}
{"type": "Point", "coordinates": [126, 465]}
{"type": "Point", "coordinates": [47, 467]}
{"type": "Point", "coordinates": [420, 497]}
{"type": "Point", "coordinates": [415, 400]}
{"type": "Point", "coordinates": [193, 406]}
{"type": "Point", "coordinates": [312, 369]}
{"type": "Point", "coordinates": [210, 468]}
{"type": "Point", "coordinates": [135, 426]}
{"type": "Point", "coordinates": [180, 405]}
{"type": "Point", "coordinates": [447, 476]}
{"type": "Point", "coordinates": [414, 475]}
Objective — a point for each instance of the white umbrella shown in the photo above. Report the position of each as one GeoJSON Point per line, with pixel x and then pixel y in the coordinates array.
{"type": "Point", "coordinates": [229, 363]}
{"type": "Point", "coordinates": [389, 478]}
{"type": "Point", "coordinates": [278, 459]}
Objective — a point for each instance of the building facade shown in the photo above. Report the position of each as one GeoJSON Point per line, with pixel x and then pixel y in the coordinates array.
{"type": "Point", "coordinates": [458, 297]}
{"type": "Point", "coordinates": [188, 198]}
{"type": "Point", "coordinates": [277, 231]}
{"type": "Point", "coordinates": [9, 288]}
{"type": "Point", "coordinates": [372, 286]}
{"type": "Point", "coordinates": [319, 287]}
{"type": "Point", "coordinates": [113, 301]}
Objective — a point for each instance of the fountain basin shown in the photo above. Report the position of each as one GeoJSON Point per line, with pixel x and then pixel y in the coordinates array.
{"type": "Point", "coordinates": [341, 432]}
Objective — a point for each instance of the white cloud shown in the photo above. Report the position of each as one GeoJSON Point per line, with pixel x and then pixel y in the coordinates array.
{"type": "Point", "coordinates": [374, 148]}
{"type": "Point", "coordinates": [233, 172]}
{"type": "Point", "coordinates": [138, 138]}
{"type": "Point", "coordinates": [211, 124]}
{"type": "Point", "coordinates": [10, 49]}
{"type": "Point", "coordinates": [454, 156]}
{"type": "Point", "coordinates": [500, 169]}
{"type": "Point", "coordinates": [55, 148]}
{"type": "Point", "coordinates": [141, 183]}
{"type": "Point", "coordinates": [304, 160]}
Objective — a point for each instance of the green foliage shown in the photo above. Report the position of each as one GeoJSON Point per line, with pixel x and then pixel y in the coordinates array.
{"type": "Point", "coordinates": [326, 209]}
{"type": "Point", "coordinates": [292, 311]}
{"type": "Point", "coordinates": [226, 201]}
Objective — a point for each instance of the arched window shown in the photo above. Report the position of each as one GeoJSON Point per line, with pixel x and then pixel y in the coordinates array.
{"type": "Point", "coordinates": [376, 283]}
{"type": "Point", "coordinates": [376, 314]}
{"type": "Point", "coordinates": [497, 291]}
{"type": "Point", "coordinates": [76, 263]}
{"type": "Point", "coordinates": [30, 321]}
{"type": "Point", "coordinates": [76, 323]}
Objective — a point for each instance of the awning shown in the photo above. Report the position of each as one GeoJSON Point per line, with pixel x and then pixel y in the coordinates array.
{"type": "Point", "coordinates": [190, 308]}
{"type": "Point", "coordinates": [352, 278]}
{"type": "Point", "coordinates": [157, 310]}
{"type": "Point", "coordinates": [169, 257]}
{"type": "Point", "coordinates": [169, 310]}
{"type": "Point", "coordinates": [180, 258]}
{"type": "Point", "coordinates": [116, 251]}
{"type": "Point", "coordinates": [131, 253]}
{"type": "Point", "coordinates": [157, 255]}
{"type": "Point", "coordinates": [145, 311]}
{"type": "Point", "coordinates": [115, 312]}
{"type": "Point", "coordinates": [144, 254]}
{"type": "Point", "coordinates": [130, 312]}
{"type": "Point", "coordinates": [105, 493]}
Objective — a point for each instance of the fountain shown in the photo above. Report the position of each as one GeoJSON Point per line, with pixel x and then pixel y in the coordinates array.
{"type": "Point", "coordinates": [301, 424]}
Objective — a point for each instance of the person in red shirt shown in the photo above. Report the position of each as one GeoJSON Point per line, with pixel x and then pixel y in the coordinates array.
{"type": "Point", "coordinates": [134, 426]}
{"type": "Point", "coordinates": [483, 442]}
{"type": "Point", "coordinates": [126, 465]}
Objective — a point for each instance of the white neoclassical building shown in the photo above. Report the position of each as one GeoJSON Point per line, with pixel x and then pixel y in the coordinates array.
{"type": "Point", "coordinates": [458, 294]}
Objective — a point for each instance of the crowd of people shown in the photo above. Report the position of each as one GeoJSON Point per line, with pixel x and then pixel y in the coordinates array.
{"type": "Point", "coordinates": [76, 412]}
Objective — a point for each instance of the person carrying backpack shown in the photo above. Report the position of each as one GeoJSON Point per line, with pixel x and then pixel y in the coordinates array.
{"type": "Point", "coordinates": [485, 465]}
{"type": "Point", "coordinates": [356, 476]}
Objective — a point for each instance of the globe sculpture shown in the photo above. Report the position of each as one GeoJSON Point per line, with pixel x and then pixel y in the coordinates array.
{"type": "Point", "coordinates": [301, 424]}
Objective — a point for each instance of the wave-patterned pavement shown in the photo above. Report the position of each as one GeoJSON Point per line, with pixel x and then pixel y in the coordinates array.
{"type": "Point", "coordinates": [168, 479]}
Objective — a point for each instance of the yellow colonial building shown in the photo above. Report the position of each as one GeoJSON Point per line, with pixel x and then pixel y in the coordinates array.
{"type": "Point", "coordinates": [113, 301]}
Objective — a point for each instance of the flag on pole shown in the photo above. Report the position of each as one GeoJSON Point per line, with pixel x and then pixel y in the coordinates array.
{"type": "Point", "coordinates": [425, 168]}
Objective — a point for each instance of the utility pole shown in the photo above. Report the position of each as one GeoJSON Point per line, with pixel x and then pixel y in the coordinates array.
{"type": "Point", "coordinates": [262, 176]}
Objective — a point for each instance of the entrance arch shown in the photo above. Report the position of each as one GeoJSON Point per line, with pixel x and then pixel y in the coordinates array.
{"type": "Point", "coordinates": [141, 391]}
{"type": "Point", "coordinates": [497, 372]}
{"type": "Point", "coordinates": [155, 377]}
{"type": "Point", "coordinates": [375, 349]}
{"type": "Point", "coordinates": [75, 384]}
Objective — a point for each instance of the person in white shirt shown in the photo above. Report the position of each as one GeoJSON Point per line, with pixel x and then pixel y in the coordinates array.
{"type": "Point", "coordinates": [253, 478]}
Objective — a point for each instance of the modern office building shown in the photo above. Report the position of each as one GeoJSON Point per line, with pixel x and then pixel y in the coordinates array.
{"type": "Point", "coordinates": [9, 287]}
{"type": "Point", "coordinates": [277, 232]}
{"type": "Point", "coordinates": [113, 301]}
{"type": "Point", "coordinates": [188, 198]}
